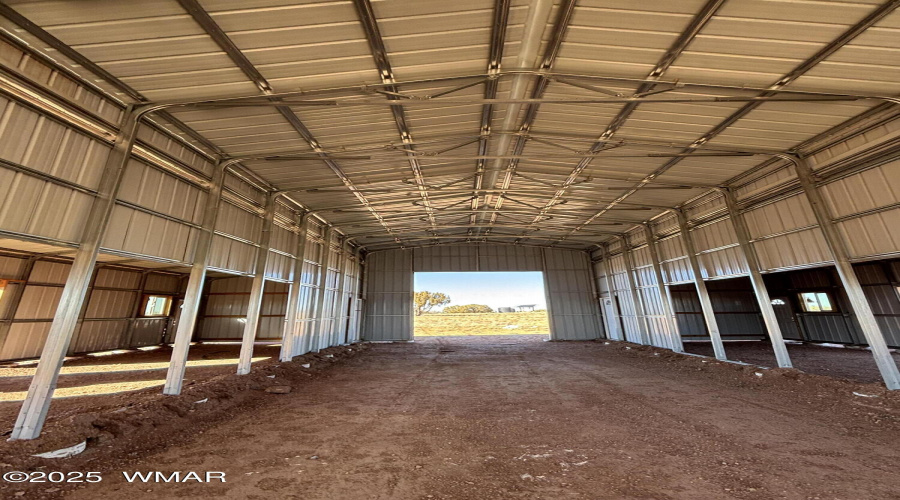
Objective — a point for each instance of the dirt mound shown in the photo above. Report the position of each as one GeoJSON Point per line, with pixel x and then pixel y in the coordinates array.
{"type": "Point", "coordinates": [148, 421]}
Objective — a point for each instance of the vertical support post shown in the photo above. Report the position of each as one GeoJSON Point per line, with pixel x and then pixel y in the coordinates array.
{"type": "Point", "coordinates": [598, 302]}
{"type": "Point", "coordinates": [257, 289]}
{"type": "Point", "coordinates": [289, 335]}
{"type": "Point", "coordinates": [610, 285]}
{"type": "Point", "coordinates": [338, 325]}
{"type": "Point", "coordinates": [841, 256]}
{"type": "Point", "coordinates": [640, 314]}
{"type": "Point", "coordinates": [346, 294]}
{"type": "Point", "coordinates": [356, 299]}
{"type": "Point", "coordinates": [325, 256]}
{"type": "Point", "coordinates": [190, 307]}
{"type": "Point", "coordinates": [40, 392]}
{"type": "Point", "coordinates": [363, 295]}
{"type": "Point", "coordinates": [547, 294]}
{"type": "Point", "coordinates": [759, 285]}
{"type": "Point", "coordinates": [664, 297]}
{"type": "Point", "coordinates": [709, 316]}
{"type": "Point", "coordinates": [84, 307]}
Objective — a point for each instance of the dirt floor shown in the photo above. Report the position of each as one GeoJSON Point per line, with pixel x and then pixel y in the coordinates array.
{"type": "Point", "coordinates": [107, 381]}
{"type": "Point", "coordinates": [509, 417]}
{"type": "Point", "coordinates": [842, 362]}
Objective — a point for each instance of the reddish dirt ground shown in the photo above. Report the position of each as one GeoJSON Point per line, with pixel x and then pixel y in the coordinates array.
{"type": "Point", "coordinates": [518, 418]}
{"type": "Point", "coordinates": [119, 373]}
{"type": "Point", "coordinates": [842, 362]}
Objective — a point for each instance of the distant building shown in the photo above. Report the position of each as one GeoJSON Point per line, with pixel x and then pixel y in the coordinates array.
{"type": "Point", "coordinates": [506, 309]}
{"type": "Point", "coordinates": [526, 307]}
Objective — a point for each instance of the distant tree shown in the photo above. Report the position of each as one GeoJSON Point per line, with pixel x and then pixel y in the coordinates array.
{"type": "Point", "coordinates": [426, 301]}
{"type": "Point", "coordinates": [468, 308]}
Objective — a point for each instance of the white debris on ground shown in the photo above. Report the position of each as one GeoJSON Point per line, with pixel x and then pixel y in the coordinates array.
{"type": "Point", "coordinates": [64, 452]}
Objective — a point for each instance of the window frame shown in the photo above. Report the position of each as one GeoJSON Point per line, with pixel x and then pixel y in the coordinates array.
{"type": "Point", "coordinates": [827, 293]}
{"type": "Point", "coordinates": [145, 301]}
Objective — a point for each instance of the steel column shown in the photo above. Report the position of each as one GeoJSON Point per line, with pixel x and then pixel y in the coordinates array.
{"type": "Point", "coordinates": [547, 293]}
{"type": "Point", "coordinates": [40, 392]}
{"type": "Point", "coordinates": [709, 315]}
{"type": "Point", "coordinates": [257, 289]}
{"type": "Point", "coordinates": [841, 256]}
{"type": "Point", "coordinates": [358, 300]}
{"type": "Point", "coordinates": [190, 307]}
{"type": "Point", "coordinates": [610, 286]}
{"type": "Point", "coordinates": [289, 333]}
{"type": "Point", "coordinates": [598, 301]}
{"type": "Point", "coordinates": [336, 327]}
{"type": "Point", "coordinates": [640, 314]}
{"type": "Point", "coordinates": [675, 342]}
{"type": "Point", "coordinates": [363, 294]}
{"type": "Point", "coordinates": [759, 285]}
{"type": "Point", "coordinates": [318, 331]}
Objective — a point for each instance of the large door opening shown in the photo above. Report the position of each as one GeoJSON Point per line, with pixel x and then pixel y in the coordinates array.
{"type": "Point", "coordinates": [480, 303]}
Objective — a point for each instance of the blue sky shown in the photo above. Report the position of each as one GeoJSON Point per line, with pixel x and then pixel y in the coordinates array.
{"type": "Point", "coordinates": [493, 289]}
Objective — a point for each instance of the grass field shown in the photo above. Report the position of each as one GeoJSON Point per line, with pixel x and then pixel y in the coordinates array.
{"type": "Point", "coordinates": [434, 325]}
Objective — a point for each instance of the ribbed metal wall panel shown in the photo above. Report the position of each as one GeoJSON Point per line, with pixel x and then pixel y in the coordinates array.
{"type": "Point", "coordinates": [389, 296]}
{"type": "Point", "coordinates": [98, 336]}
{"type": "Point", "coordinates": [654, 316]}
{"type": "Point", "coordinates": [675, 265]}
{"type": "Point", "coordinates": [574, 311]}
{"type": "Point", "coordinates": [232, 255]}
{"type": "Point", "coordinates": [623, 302]}
{"type": "Point", "coordinates": [734, 305]}
{"type": "Point", "coordinates": [11, 267]}
{"type": "Point", "coordinates": [167, 283]}
{"type": "Point", "coordinates": [224, 316]}
{"type": "Point", "coordinates": [161, 192]}
{"type": "Point", "coordinates": [719, 254]}
{"type": "Point", "coordinates": [445, 258]}
{"type": "Point", "coordinates": [149, 331]}
{"type": "Point", "coordinates": [49, 272]}
{"type": "Point", "coordinates": [508, 258]}
{"type": "Point", "coordinates": [785, 234]}
{"type": "Point", "coordinates": [477, 257]}
{"type": "Point", "coordinates": [38, 302]}
{"type": "Point", "coordinates": [175, 149]}
{"type": "Point", "coordinates": [117, 278]}
{"type": "Point", "coordinates": [25, 340]}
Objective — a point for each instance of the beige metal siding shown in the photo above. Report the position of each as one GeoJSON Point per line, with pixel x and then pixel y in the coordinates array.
{"type": "Point", "coordinates": [389, 296]}
{"type": "Point", "coordinates": [574, 311]}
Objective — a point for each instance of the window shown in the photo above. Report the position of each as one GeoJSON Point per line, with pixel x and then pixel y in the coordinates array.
{"type": "Point", "coordinates": [157, 305]}
{"type": "Point", "coordinates": [816, 302]}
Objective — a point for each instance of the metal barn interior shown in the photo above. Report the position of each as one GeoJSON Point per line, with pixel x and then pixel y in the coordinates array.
{"type": "Point", "coordinates": [178, 171]}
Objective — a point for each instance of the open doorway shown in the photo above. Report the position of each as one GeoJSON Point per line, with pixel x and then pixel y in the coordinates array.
{"type": "Point", "coordinates": [480, 303]}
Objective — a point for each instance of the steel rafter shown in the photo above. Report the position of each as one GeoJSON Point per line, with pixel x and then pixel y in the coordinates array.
{"type": "Point", "coordinates": [495, 56]}
{"type": "Point", "coordinates": [681, 43]}
{"type": "Point", "coordinates": [379, 53]}
{"type": "Point", "coordinates": [218, 35]}
{"type": "Point", "coordinates": [551, 52]}
{"type": "Point", "coordinates": [78, 58]}
{"type": "Point", "coordinates": [846, 37]}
